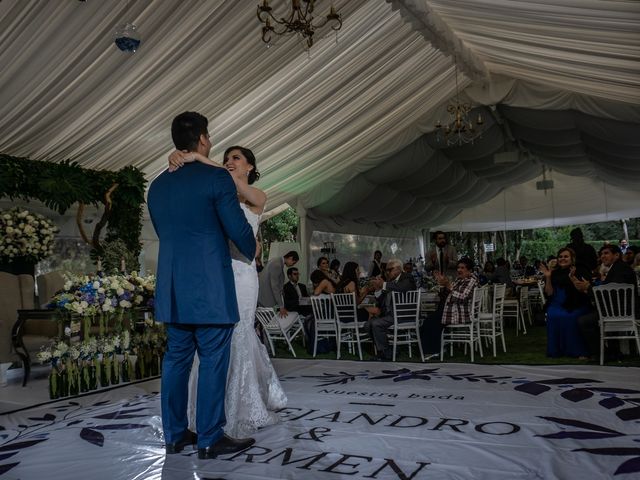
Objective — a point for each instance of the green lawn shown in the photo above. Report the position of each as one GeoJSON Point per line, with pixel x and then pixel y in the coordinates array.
{"type": "Point", "coordinates": [526, 349]}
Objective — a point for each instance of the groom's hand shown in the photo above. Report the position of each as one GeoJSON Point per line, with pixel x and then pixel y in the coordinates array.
{"type": "Point", "coordinates": [283, 312]}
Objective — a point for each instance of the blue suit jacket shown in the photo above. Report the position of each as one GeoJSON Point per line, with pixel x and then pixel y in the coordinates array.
{"type": "Point", "coordinates": [195, 211]}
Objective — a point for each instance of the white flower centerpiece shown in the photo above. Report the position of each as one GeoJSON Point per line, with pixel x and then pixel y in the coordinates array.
{"type": "Point", "coordinates": [25, 236]}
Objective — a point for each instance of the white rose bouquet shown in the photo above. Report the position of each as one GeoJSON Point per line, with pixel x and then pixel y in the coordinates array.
{"type": "Point", "coordinates": [25, 234]}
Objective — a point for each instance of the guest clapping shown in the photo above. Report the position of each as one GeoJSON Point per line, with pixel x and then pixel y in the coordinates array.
{"type": "Point", "coordinates": [565, 305]}
{"type": "Point", "coordinates": [455, 305]}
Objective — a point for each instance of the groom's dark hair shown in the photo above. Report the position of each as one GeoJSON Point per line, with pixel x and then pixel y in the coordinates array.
{"type": "Point", "coordinates": [186, 130]}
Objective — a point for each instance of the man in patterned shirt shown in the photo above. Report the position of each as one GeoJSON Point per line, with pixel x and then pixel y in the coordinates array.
{"type": "Point", "coordinates": [455, 305]}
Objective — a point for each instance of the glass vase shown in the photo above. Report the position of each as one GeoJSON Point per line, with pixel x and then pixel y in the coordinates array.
{"type": "Point", "coordinates": [93, 376]}
{"type": "Point", "coordinates": [54, 384]}
{"type": "Point", "coordinates": [105, 372]}
{"type": "Point", "coordinates": [84, 378]}
{"type": "Point", "coordinates": [153, 365]}
{"type": "Point", "coordinates": [73, 380]}
{"type": "Point", "coordinates": [125, 369]}
{"type": "Point", "coordinates": [64, 383]}
{"type": "Point", "coordinates": [115, 371]}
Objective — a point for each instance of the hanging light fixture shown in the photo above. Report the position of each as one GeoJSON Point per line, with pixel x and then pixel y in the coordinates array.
{"type": "Point", "coordinates": [299, 21]}
{"type": "Point", "coordinates": [461, 128]}
{"type": "Point", "coordinates": [127, 38]}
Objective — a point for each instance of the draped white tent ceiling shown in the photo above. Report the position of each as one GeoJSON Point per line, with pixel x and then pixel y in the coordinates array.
{"type": "Point", "coordinates": [344, 133]}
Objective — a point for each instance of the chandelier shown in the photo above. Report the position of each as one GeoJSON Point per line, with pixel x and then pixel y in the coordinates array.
{"type": "Point", "coordinates": [299, 20]}
{"type": "Point", "coordinates": [461, 128]}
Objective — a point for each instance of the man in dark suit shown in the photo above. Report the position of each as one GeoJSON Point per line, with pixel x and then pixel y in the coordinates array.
{"type": "Point", "coordinates": [585, 254]}
{"type": "Point", "coordinates": [619, 272]}
{"type": "Point", "coordinates": [195, 211]}
{"type": "Point", "coordinates": [442, 257]}
{"type": "Point", "coordinates": [383, 311]}
{"type": "Point", "coordinates": [293, 291]}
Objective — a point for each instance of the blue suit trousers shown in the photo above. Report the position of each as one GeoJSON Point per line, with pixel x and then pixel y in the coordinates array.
{"type": "Point", "coordinates": [212, 342]}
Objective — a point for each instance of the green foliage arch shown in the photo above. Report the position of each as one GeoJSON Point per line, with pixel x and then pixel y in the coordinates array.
{"type": "Point", "coordinates": [60, 185]}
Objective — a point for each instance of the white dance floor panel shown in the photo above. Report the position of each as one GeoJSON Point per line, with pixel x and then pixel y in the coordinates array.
{"type": "Point", "coordinates": [359, 420]}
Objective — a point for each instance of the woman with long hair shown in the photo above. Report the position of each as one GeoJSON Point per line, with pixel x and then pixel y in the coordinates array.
{"type": "Point", "coordinates": [349, 284]}
{"type": "Point", "coordinates": [565, 305]}
{"type": "Point", "coordinates": [321, 278]}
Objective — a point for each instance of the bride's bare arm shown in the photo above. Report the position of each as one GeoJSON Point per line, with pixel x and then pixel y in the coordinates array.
{"type": "Point", "coordinates": [253, 195]}
{"type": "Point", "coordinates": [178, 158]}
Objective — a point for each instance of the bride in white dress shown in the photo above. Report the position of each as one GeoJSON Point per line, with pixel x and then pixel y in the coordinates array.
{"type": "Point", "coordinates": [253, 390]}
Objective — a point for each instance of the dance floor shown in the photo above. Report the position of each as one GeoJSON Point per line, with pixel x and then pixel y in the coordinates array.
{"type": "Point", "coordinates": [356, 420]}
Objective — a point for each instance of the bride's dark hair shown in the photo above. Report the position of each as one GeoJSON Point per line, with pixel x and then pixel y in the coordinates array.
{"type": "Point", "coordinates": [254, 175]}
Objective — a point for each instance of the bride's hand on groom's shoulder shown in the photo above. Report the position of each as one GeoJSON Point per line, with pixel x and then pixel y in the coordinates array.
{"type": "Point", "coordinates": [178, 158]}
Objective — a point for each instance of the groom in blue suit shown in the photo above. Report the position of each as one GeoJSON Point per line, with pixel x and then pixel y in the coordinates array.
{"type": "Point", "coordinates": [195, 211]}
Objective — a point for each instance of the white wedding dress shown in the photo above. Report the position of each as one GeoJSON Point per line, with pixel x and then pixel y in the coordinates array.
{"type": "Point", "coordinates": [253, 389]}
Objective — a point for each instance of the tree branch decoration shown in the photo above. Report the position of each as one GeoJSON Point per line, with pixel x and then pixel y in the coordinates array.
{"type": "Point", "coordinates": [60, 185]}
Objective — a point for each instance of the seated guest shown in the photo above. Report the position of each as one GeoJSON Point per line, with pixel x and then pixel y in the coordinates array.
{"type": "Point", "coordinates": [502, 273]}
{"type": "Point", "coordinates": [454, 308]}
{"type": "Point", "coordinates": [487, 273]}
{"type": "Point", "coordinates": [623, 245]}
{"type": "Point", "coordinates": [293, 291]}
{"type": "Point", "coordinates": [565, 305]}
{"type": "Point", "coordinates": [334, 270]}
{"type": "Point", "coordinates": [616, 272]}
{"type": "Point", "coordinates": [321, 279]}
{"type": "Point", "coordinates": [526, 269]}
{"type": "Point", "coordinates": [630, 254]}
{"type": "Point", "coordinates": [382, 313]}
{"type": "Point", "coordinates": [349, 284]}
{"type": "Point", "coordinates": [536, 266]}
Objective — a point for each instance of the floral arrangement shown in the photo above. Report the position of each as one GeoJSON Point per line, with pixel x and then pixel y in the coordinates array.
{"type": "Point", "coordinates": [91, 295]}
{"type": "Point", "coordinates": [25, 234]}
{"type": "Point", "coordinates": [121, 350]}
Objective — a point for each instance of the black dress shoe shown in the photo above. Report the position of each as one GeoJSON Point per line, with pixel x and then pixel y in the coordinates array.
{"type": "Point", "coordinates": [188, 438]}
{"type": "Point", "coordinates": [224, 446]}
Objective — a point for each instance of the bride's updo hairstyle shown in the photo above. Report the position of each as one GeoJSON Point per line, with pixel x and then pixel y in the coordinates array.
{"type": "Point", "coordinates": [254, 175]}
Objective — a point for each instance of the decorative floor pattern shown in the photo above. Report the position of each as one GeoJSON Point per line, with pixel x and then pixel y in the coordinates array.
{"type": "Point", "coordinates": [359, 420]}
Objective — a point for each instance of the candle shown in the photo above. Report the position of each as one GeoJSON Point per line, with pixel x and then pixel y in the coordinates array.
{"type": "Point", "coordinates": [122, 265]}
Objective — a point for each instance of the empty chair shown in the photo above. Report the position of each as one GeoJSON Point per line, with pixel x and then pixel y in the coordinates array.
{"type": "Point", "coordinates": [491, 324]}
{"type": "Point", "coordinates": [525, 306]}
{"type": "Point", "coordinates": [511, 309]}
{"type": "Point", "coordinates": [349, 330]}
{"type": "Point", "coordinates": [543, 298]}
{"type": "Point", "coordinates": [616, 307]}
{"type": "Point", "coordinates": [48, 285]}
{"type": "Point", "coordinates": [536, 296]}
{"type": "Point", "coordinates": [324, 319]}
{"type": "Point", "coordinates": [465, 333]}
{"type": "Point", "coordinates": [279, 329]}
{"type": "Point", "coordinates": [406, 321]}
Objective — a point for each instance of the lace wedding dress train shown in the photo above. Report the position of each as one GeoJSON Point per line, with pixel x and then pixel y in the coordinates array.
{"type": "Point", "coordinates": [253, 389]}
